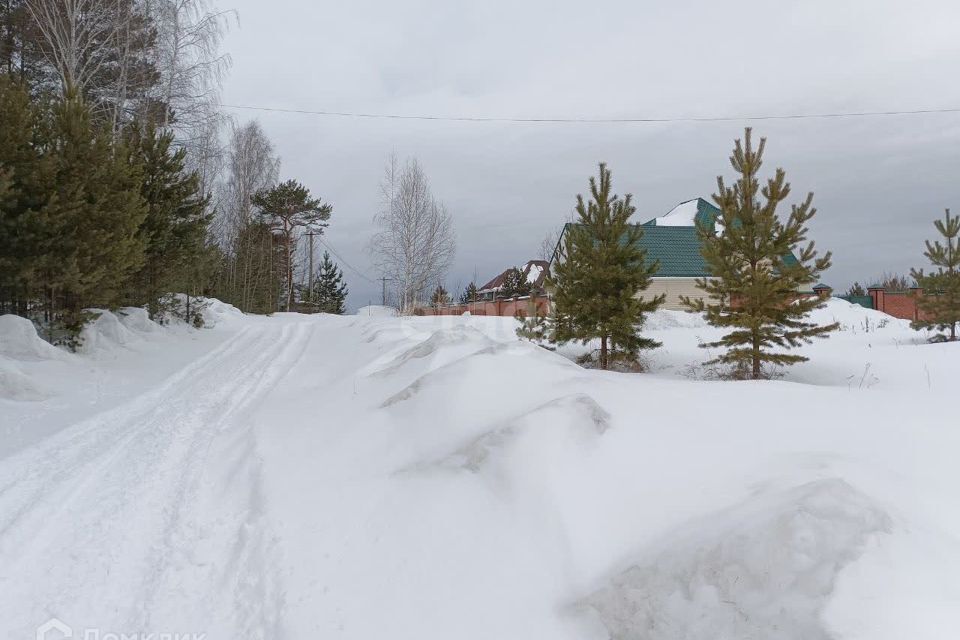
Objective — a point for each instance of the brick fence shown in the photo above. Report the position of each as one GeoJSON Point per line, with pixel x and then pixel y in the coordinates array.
{"type": "Point", "coordinates": [899, 304]}
{"type": "Point", "coordinates": [509, 307]}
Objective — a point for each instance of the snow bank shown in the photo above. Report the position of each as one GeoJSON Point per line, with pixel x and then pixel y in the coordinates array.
{"type": "Point", "coordinates": [19, 346]}
{"type": "Point", "coordinates": [106, 332]}
{"type": "Point", "coordinates": [218, 313]}
{"type": "Point", "coordinates": [853, 317]}
{"type": "Point", "coordinates": [768, 572]}
{"type": "Point", "coordinates": [377, 311]}
{"type": "Point", "coordinates": [19, 341]}
{"type": "Point", "coordinates": [670, 319]}
{"type": "Point", "coordinates": [16, 385]}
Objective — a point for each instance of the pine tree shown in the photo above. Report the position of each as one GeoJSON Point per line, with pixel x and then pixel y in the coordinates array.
{"type": "Point", "coordinates": [940, 303]}
{"type": "Point", "coordinates": [286, 207]}
{"type": "Point", "coordinates": [510, 285]}
{"type": "Point", "coordinates": [514, 284]}
{"type": "Point", "coordinates": [25, 182]}
{"type": "Point", "coordinates": [600, 275]}
{"type": "Point", "coordinates": [440, 296]}
{"type": "Point", "coordinates": [329, 291]}
{"type": "Point", "coordinates": [257, 255]}
{"type": "Point", "coordinates": [856, 290]}
{"type": "Point", "coordinates": [469, 294]}
{"type": "Point", "coordinates": [757, 266]}
{"type": "Point", "coordinates": [91, 217]}
{"type": "Point", "coordinates": [175, 229]}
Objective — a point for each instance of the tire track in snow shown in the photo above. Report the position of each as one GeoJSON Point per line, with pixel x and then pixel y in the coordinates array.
{"type": "Point", "coordinates": [94, 517]}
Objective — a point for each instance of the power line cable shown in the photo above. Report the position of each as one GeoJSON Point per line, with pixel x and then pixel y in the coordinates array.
{"type": "Point", "coordinates": [791, 116]}
{"type": "Point", "coordinates": [344, 262]}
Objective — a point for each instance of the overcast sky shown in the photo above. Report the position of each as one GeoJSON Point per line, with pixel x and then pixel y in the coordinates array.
{"type": "Point", "coordinates": [878, 181]}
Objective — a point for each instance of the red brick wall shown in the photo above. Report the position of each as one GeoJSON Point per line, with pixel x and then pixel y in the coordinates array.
{"type": "Point", "coordinates": [508, 308]}
{"type": "Point", "coordinates": [899, 304]}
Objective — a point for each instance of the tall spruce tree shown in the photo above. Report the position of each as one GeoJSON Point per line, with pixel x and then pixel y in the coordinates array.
{"type": "Point", "coordinates": [329, 293]}
{"type": "Point", "coordinates": [940, 302]}
{"type": "Point", "coordinates": [601, 275]}
{"type": "Point", "coordinates": [174, 232]}
{"type": "Point", "coordinates": [758, 265]}
{"type": "Point", "coordinates": [287, 207]}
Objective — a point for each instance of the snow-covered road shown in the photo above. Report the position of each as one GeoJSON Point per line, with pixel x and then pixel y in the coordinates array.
{"type": "Point", "coordinates": [148, 513]}
{"type": "Point", "coordinates": [432, 478]}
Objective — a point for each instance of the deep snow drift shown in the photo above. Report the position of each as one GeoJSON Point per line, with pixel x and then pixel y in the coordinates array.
{"type": "Point", "coordinates": [434, 477]}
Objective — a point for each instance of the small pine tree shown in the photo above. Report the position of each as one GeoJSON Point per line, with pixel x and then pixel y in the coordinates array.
{"type": "Point", "coordinates": [856, 290]}
{"type": "Point", "coordinates": [469, 294]}
{"type": "Point", "coordinates": [940, 303]}
{"type": "Point", "coordinates": [889, 281]}
{"type": "Point", "coordinates": [175, 230]}
{"type": "Point", "coordinates": [439, 296]}
{"type": "Point", "coordinates": [511, 285]}
{"type": "Point", "coordinates": [757, 267]}
{"type": "Point", "coordinates": [600, 275]}
{"type": "Point", "coordinates": [286, 207]}
{"type": "Point", "coordinates": [329, 290]}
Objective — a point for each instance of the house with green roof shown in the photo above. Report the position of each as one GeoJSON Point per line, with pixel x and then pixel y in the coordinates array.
{"type": "Point", "coordinates": [672, 240]}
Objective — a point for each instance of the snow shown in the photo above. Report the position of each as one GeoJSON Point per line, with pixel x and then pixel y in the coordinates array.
{"type": "Point", "coordinates": [533, 272]}
{"type": "Point", "coordinates": [434, 477]}
{"type": "Point", "coordinates": [682, 215]}
{"type": "Point", "coordinates": [377, 311]}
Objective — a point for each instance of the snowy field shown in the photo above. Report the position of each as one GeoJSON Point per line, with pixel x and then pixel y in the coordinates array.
{"type": "Point", "coordinates": [301, 477]}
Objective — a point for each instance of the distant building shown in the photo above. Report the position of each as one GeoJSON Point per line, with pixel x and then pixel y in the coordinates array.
{"type": "Point", "coordinates": [672, 240]}
{"type": "Point", "coordinates": [534, 272]}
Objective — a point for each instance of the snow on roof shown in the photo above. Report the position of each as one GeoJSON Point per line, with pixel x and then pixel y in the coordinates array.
{"type": "Point", "coordinates": [682, 215]}
{"type": "Point", "coordinates": [533, 273]}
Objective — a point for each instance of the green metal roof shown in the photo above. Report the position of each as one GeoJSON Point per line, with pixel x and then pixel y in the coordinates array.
{"type": "Point", "coordinates": [677, 248]}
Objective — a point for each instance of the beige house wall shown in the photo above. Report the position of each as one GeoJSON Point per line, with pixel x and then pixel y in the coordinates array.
{"type": "Point", "coordinates": [674, 288]}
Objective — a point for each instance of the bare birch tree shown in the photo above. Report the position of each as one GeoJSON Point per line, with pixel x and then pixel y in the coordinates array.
{"type": "Point", "coordinates": [251, 165]}
{"type": "Point", "coordinates": [75, 37]}
{"type": "Point", "coordinates": [414, 244]}
{"type": "Point", "coordinates": [191, 66]}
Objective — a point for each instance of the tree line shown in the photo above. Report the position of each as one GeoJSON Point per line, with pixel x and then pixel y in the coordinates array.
{"type": "Point", "coordinates": [117, 183]}
{"type": "Point", "coordinates": [758, 263]}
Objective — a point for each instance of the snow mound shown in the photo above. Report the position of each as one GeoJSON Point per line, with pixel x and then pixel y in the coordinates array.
{"type": "Point", "coordinates": [768, 573]}
{"type": "Point", "coordinates": [19, 341]}
{"type": "Point", "coordinates": [443, 346]}
{"type": "Point", "coordinates": [566, 418]}
{"type": "Point", "coordinates": [378, 311]}
{"type": "Point", "coordinates": [853, 317]}
{"type": "Point", "coordinates": [16, 385]}
{"type": "Point", "coordinates": [670, 319]}
{"type": "Point", "coordinates": [220, 313]}
{"type": "Point", "coordinates": [104, 333]}
{"type": "Point", "coordinates": [137, 320]}
{"type": "Point", "coordinates": [441, 376]}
